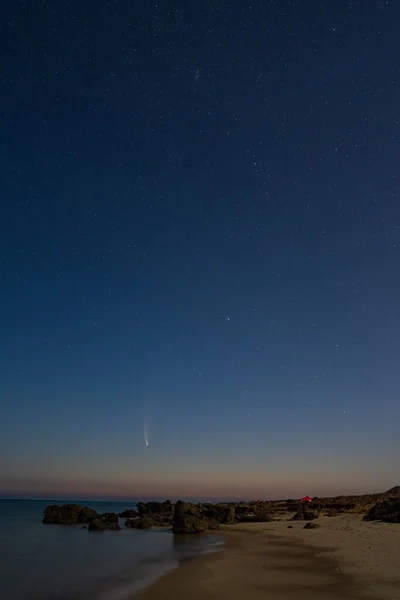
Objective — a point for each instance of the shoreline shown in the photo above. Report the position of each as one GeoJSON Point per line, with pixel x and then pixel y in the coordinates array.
{"type": "Point", "coordinates": [344, 559]}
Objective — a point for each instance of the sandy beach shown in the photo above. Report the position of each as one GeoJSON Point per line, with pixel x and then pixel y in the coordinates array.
{"type": "Point", "coordinates": [345, 558]}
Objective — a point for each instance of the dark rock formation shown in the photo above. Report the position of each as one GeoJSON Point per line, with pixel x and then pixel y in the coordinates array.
{"type": "Point", "coordinates": [97, 525]}
{"type": "Point", "coordinates": [305, 514]}
{"type": "Point", "coordinates": [311, 525]}
{"type": "Point", "coordinates": [222, 513]}
{"type": "Point", "coordinates": [129, 514]}
{"type": "Point", "coordinates": [73, 514]}
{"type": "Point", "coordinates": [160, 512]}
{"type": "Point", "coordinates": [140, 523]}
{"type": "Point", "coordinates": [387, 511]}
{"type": "Point", "coordinates": [110, 517]}
{"type": "Point", "coordinates": [144, 523]}
{"type": "Point", "coordinates": [191, 518]}
{"type": "Point", "coordinates": [101, 524]}
{"type": "Point", "coordinates": [68, 514]}
{"type": "Point", "coordinates": [394, 490]}
{"type": "Point", "coordinates": [254, 512]}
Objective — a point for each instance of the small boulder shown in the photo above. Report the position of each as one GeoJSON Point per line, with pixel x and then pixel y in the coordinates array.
{"type": "Point", "coordinates": [110, 517]}
{"type": "Point", "coordinates": [97, 525]}
{"type": "Point", "coordinates": [130, 522]}
{"type": "Point", "coordinates": [143, 523]}
{"type": "Point", "coordinates": [311, 525]}
{"type": "Point", "coordinates": [305, 514]}
{"type": "Point", "coordinates": [129, 514]}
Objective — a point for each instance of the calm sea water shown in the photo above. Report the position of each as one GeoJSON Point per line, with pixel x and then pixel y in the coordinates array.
{"type": "Point", "coordinates": [55, 562]}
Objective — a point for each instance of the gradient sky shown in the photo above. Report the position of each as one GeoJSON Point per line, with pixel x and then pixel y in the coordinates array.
{"type": "Point", "coordinates": [199, 242]}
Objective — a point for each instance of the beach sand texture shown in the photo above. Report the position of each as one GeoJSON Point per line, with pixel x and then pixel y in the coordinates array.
{"type": "Point", "coordinates": [344, 559]}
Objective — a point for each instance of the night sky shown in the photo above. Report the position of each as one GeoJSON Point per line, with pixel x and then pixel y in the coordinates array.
{"type": "Point", "coordinates": [199, 247]}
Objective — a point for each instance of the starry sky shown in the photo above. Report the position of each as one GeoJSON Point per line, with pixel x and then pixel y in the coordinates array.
{"type": "Point", "coordinates": [199, 248]}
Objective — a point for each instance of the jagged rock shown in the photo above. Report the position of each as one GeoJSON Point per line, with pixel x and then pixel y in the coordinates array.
{"type": "Point", "coordinates": [129, 514]}
{"type": "Point", "coordinates": [311, 525]}
{"type": "Point", "coordinates": [100, 524]}
{"type": "Point", "coordinates": [212, 525]}
{"type": "Point", "coordinates": [305, 514]}
{"type": "Point", "coordinates": [387, 511]}
{"type": "Point", "coordinates": [189, 524]}
{"type": "Point", "coordinates": [145, 508]}
{"type": "Point", "coordinates": [110, 517]}
{"type": "Point", "coordinates": [143, 523]}
{"type": "Point", "coordinates": [68, 514]}
{"type": "Point", "coordinates": [131, 522]}
{"type": "Point", "coordinates": [191, 518]}
{"type": "Point", "coordinates": [97, 525]}
{"type": "Point", "coordinates": [223, 513]}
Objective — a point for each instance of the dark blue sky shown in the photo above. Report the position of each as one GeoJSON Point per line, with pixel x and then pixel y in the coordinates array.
{"type": "Point", "coordinates": [199, 242]}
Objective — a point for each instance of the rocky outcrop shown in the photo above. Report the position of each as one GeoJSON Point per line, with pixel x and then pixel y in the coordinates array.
{"type": "Point", "coordinates": [191, 518]}
{"type": "Point", "coordinates": [74, 514]}
{"type": "Point", "coordinates": [311, 525]}
{"type": "Point", "coordinates": [101, 524]}
{"type": "Point", "coordinates": [305, 514]}
{"type": "Point", "coordinates": [253, 512]}
{"type": "Point", "coordinates": [68, 514]}
{"type": "Point", "coordinates": [222, 513]}
{"type": "Point", "coordinates": [387, 511]}
{"type": "Point", "coordinates": [160, 512]}
{"type": "Point", "coordinates": [140, 523]}
{"type": "Point", "coordinates": [110, 517]}
{"type": "Point", "coordinates": [129, 514]}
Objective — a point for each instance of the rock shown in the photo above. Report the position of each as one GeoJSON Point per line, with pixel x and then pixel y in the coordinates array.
{"type": "Point", "coordinates": [305, 514]}
{"type": "Point", "coordinates": [223, 513]}
{"type": "Point", "coordinates": [311, 525]}
{"type": "Point", "coordinates": [143, 523]}
{"type": "Point", "coordinates": [68, 514]}
{"type": "Point", "coordinates": [290, 526]}
{"type": "Point", "coordinates": [213, 525]}
{"type": "Point", "coordinates": [114, 527]}
{"type": "Point", "coordinates": [189, 524]}
{"type": "Point", "coordinates": [394, 490]}
{"type": "Point", "coordinates": [129, 514]}
{"type": "Point", "coordinates": [191, 518]}
{"type": "Point", "coordinates": [387, 511]}
{"type": "Point", "coordinates": [97, 525]}
{"type": "Point", "coordinates": [186, 508]}
{"type": "Point", "coordinates": [145, 508]}
{"type": "Point", "coordinates": [131, 522]}
{"type": "Point", "coordinates": [110, 517]}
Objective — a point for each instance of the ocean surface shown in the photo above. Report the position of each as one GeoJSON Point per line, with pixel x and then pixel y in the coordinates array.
{"type": "Point", "coordinates": [66, 562]}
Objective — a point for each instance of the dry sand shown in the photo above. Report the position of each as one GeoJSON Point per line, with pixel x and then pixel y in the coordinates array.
{"type": "Point", "coordinates": [345, 559]}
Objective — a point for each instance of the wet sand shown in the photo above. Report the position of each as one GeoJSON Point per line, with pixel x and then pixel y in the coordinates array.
{"type": "Point", "coordinates": [344, 559]}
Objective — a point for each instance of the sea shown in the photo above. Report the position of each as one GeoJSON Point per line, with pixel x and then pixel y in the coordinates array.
{"type": "Point", "coordinates": [67, 562]}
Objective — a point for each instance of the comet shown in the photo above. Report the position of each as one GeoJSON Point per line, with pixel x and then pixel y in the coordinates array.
{"type": "Point", "coordinates": [146, 437]}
